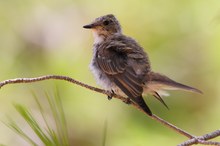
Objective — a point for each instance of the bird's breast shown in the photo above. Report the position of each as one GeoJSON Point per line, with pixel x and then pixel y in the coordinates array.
{"type": "Point", "coordinates": [101, 78]}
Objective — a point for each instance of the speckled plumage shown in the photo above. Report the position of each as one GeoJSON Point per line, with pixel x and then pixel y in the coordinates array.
{"type": "Point", "coordinates": [120, 64]}
{"type": "Point", "coordinates": [122, 44]}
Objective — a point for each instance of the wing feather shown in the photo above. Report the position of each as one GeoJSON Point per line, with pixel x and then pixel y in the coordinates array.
{"type": "Point", "coordinates": [125, 66]}
{"type": "Point", "coordinates": [115, 65]}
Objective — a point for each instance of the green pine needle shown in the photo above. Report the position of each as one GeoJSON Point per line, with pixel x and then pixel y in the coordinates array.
{"type": "Point", "coordinates": [48, 135]}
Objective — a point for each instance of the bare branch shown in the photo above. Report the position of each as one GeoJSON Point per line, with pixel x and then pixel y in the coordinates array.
{"type": "Point", "coordinates": [192, 139]}
{"type": "Point", "coordinates": [203, 139]}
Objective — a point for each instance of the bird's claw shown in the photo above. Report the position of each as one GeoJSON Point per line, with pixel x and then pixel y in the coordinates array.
{"type": "Point", "coordinates": [110, 94]}
{"type": "Point", "coordinates": [127, 101]}
{"type": "Point", "coordinates": [109, 97]}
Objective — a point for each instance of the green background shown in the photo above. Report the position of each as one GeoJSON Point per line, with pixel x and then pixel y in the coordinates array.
{"type": "Point", "coordinates": [182, 39]}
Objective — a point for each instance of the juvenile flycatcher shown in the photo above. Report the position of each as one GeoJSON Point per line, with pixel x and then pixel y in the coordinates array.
{"type": "Point", "coordinates": [121, 66]}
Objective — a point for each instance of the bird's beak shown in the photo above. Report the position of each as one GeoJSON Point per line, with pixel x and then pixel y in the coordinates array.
{"type": "Point", "coordinates": [90, 26]}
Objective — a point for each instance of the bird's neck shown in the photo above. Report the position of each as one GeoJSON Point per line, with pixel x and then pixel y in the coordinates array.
{"type": "Point", "coordinates": [100, 37]}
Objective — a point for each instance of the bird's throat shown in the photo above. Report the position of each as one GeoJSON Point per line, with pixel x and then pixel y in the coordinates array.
{"type": "Point", "coordinates": [98, 38]}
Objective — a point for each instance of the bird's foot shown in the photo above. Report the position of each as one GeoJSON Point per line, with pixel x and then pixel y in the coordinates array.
{"type": "Point", "coordinates": [127, 101]}
{"type": "Point", "coordinates": [110, 94]}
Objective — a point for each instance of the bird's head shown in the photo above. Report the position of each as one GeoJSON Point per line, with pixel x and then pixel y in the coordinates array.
{"type": "Point", "coordinates": [104, 26]}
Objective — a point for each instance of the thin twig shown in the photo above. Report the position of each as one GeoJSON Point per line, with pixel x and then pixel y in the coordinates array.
{"type": "Point", "coordinates": [47, 77]}
{"type": "Point", "coordinates": [203, 139]}
{"type": "Point", "coordinates": [192, 139]}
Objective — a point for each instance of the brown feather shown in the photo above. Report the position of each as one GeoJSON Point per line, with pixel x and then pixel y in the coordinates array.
{"type": "Point", "coordinates": [158, 81]}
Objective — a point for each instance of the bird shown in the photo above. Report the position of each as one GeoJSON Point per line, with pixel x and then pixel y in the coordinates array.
{"type": "Point", "coordinates": [121, 66]}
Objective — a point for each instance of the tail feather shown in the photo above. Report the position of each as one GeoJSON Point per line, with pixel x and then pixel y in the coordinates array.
{"type": "Point", "coordinates": [161, 82]}
{"type": "Point", "coordinates": [140, 101]}
{"type": "Point", "coordinates": [158, 97]}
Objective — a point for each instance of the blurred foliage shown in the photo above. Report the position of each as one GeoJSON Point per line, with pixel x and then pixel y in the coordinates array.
{"type": "Point", "coordinates": [50, 130]}
{"type": "Point", "coordinates": [46, 37]}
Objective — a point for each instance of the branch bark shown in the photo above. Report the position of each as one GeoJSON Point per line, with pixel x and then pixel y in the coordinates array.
{"type": "Point", "coordinates": [203, 139]}
{"type": "Point", "coordinates": [192, 139]}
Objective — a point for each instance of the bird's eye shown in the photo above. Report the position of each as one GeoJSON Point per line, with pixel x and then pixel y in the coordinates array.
{"type": "Point", "coordinates": [106, 22]}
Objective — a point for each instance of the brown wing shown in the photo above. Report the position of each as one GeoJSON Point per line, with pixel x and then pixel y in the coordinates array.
{"type": "Point", "coordinates": [125, 66]}
{"type": "Point", "coordinates": [116, 66]}
{"type": "Point", "coordinates": [114, 63]}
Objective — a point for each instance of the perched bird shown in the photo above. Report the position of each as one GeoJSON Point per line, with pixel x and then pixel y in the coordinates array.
{"type": "Point", "coordinates": [121, 66]}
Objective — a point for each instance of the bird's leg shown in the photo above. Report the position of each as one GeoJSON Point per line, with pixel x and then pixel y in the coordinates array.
{"type": "Point", "coordinates": [127, 101]}
{"type": "Point", "coordinates": [111, 94]}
